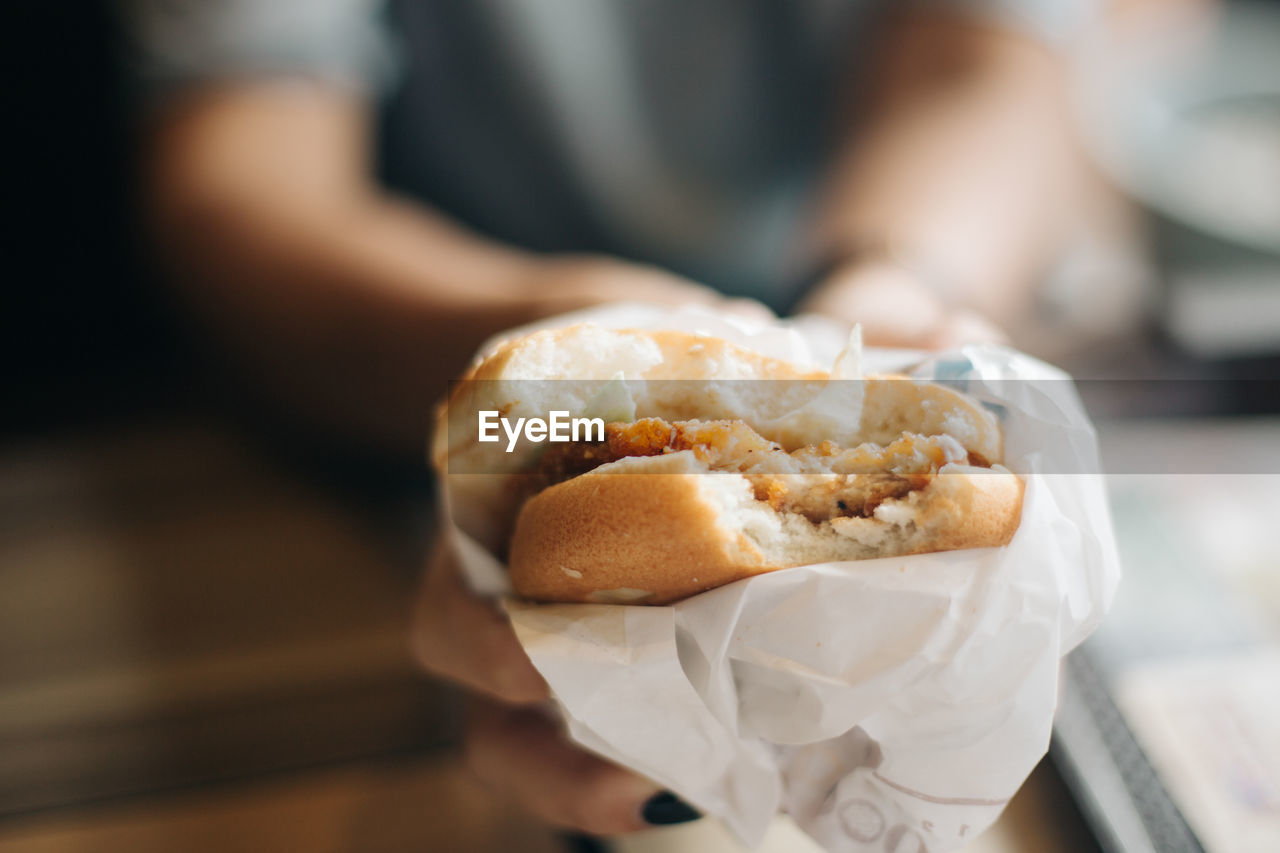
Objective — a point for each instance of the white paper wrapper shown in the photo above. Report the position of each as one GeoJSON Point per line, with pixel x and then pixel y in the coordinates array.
{"type": "Point", "coordinates": [892, 704]}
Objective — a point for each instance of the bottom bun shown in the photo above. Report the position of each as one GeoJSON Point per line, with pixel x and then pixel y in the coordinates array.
{"type": "Point", "coordinates": [652, 530]}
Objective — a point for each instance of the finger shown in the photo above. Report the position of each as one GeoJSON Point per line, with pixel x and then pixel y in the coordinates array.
{"type": "Point", "coordinates": [465, 638]}
{"type": "Point", "coordinates": [747, 309]}
{"type": "Point", "coordinates": [522, 755]}
{"type": "Point", "coordinates": [663, 289]}
{"type": "Point", "coordinates": [894, 335]}
{"type": "Point", "coordinates": [903, 330]}
{"type": "Point", "coordinates": [967, 327]}
{"type": "Point", "coordinates": [892, 306]}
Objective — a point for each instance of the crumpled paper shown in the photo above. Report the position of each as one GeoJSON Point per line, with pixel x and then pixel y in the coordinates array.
{"type": "Point", "coordinates": [891, 704]}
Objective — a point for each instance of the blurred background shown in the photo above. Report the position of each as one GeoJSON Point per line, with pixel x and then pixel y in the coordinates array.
{"type": "Point", "coordinates": [203, 606]}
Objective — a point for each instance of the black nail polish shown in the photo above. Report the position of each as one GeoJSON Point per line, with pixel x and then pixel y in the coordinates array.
{"type": "Point", "coordinates": [665, 808]}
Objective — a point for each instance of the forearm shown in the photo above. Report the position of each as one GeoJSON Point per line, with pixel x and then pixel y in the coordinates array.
{"type": "Point", "coordinates": [958, 162]}
{"type": "Point", "coordinates": [348, 306]}
{"type": "Point", "coordinates": [355, 322]}
{"type": "Point", "coordinates": [345, 305]}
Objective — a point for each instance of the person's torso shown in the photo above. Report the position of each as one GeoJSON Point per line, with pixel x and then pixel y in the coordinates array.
{"type": "Point", "coordinates": [685, 133]}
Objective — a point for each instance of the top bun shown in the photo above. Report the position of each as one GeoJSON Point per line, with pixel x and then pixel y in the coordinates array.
{"type": "Point", "coordinates": [571, 369]}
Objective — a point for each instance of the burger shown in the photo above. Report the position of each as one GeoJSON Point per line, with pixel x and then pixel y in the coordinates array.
{"type": "Point", "coordinates": [643, 466]}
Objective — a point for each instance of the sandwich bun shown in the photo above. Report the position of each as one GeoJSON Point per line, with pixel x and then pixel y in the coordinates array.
{"type": "Point", "coordinates": [710, 480]}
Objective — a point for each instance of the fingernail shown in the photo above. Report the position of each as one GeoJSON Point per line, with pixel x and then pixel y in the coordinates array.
{"type": "Point", "coordinates": [665, 808]}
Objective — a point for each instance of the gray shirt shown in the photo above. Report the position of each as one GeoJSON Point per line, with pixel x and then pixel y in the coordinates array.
{"type": "Point", "coordinates": [686, 133]}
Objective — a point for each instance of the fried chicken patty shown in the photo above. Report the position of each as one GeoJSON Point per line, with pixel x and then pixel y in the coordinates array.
{"type": "Point", "coordinates": [819, 482]}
